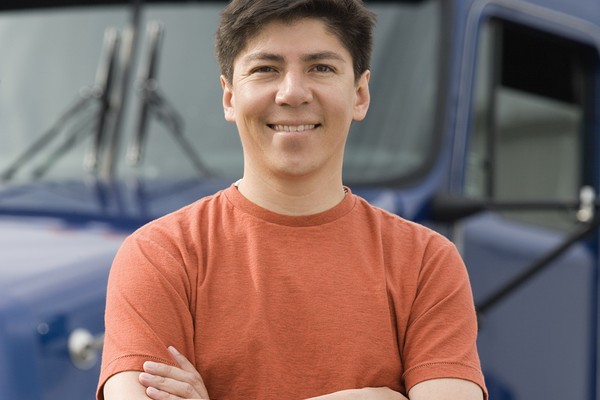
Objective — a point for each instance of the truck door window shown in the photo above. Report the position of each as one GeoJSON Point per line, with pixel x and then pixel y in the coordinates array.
{"type": "Point", "coordinates": [531, 97]}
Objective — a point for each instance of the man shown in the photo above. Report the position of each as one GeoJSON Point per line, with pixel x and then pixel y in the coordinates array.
{"type": "Point", "coordinates": [286, 285]}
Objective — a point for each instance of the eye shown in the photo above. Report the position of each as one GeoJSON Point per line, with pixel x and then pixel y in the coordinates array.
{"type": "Point", "coordinates": [323, 68]}
{"type": "Point", "coordinates": [263, 69]}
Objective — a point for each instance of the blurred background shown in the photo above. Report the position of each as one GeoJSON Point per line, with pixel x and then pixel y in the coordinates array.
{"type": "Point", "coordinates": [484, 125]}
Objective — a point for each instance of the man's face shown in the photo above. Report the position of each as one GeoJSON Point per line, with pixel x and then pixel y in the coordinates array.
{"type": "Point", "coordinates": [293, 97]}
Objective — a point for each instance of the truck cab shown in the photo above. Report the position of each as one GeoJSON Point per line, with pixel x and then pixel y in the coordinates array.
{"type": "Point", "coordinates": [484, 125]}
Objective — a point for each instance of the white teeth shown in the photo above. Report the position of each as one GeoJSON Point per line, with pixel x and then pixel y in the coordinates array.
{"type": "Point", "coordinates": [293, 128]}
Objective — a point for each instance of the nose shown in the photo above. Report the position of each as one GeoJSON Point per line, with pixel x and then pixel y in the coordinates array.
{"type": "Point", "coordinates": [294, 90]}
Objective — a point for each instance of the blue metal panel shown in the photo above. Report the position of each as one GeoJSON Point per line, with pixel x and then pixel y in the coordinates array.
{"type": "Point", "coordinates": [543, 330]}
{"type": "Point", "coordinates": [17, 351]}
{"type": "Point", "coordinates": [541, 341]}
{"type": "Point", "coordinates": [51, 286]}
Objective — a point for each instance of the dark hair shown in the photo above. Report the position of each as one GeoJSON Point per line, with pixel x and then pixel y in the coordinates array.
{"type": "Point", "coordinates": [241, 20]}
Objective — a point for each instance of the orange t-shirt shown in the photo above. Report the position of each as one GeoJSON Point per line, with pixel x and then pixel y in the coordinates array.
{"type": "Point", "coordinates": [268, 306]}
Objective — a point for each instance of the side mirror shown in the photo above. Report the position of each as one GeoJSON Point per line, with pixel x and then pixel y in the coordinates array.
{"type": "Point", "coordinates": [449, 209]}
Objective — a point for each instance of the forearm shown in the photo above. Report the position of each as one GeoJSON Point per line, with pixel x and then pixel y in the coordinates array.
{"type": "Point", "coordinates": [380, 393]}
{"type": "Point", "coordinates": [186, 383]}
{"type": "Point", "coordinates": [125, 386]}
{"type": "Point", "coordinates": [446, 389]}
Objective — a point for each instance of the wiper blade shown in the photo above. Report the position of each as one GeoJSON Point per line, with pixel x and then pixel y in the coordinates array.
{"type": "Point", "coordinates": [104, 82]}
{"type": "Point", "coordinates": [155, 103]}
{"type": "Point", "coordinates": [96, 123]}
{"type": "Point", "coordinates": [147, 85]}
{"type": "Point", "coordinates": [100, 91]}
{"type": "Point", "coordinates": [127, 58]}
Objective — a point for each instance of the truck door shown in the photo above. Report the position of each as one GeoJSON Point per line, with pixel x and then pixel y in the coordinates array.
{"type": "Point", "coordinates": [530, 151]}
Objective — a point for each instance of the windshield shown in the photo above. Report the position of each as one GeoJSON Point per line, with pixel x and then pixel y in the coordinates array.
{"type": "Point", "coordinates": [62, 81]}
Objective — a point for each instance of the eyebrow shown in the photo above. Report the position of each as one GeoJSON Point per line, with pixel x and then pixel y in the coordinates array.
{"type": "Point", "coordinates": [323, 55]}
{"type": "Point", "coordinates": [318, 56]}
{"type": "Point", "coordinates": [262, 56]}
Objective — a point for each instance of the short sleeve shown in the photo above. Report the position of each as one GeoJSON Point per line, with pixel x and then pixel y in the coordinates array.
{"type": "Point", "coordinates": [441, 333]}
{"type": "Point", "coordinates": [147, 307]}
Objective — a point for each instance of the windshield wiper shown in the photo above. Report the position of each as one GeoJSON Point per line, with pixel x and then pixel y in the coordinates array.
{"type": "Point", "coordinates": [105, 78]}
{"type": "Point", "coordinates": [99, 92]}
{"type": "Point", "coordinates": [95, 124]}
{"type": "Point", "coordinates": [154, 102]}
{"type": "Point", "coordinates": [127, 58]}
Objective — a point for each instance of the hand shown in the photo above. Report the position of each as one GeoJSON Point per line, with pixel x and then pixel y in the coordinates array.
{"type": "Point", "coordinates": [165, 382]}
{"type": "Point", "coordinates": [380, 393]}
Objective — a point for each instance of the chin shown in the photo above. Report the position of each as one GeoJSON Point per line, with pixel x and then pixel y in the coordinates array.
{"type": "Point", "coordinates": [296, 171]}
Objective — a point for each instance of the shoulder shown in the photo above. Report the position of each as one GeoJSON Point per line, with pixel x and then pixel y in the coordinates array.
{"type": "Point", "coordinates": [174, 235]}
{"type": "Point", "coordinates": [167, 247]}
{"type": "Point", "coordinates": [412, 253]}
{"type": "Point", "coordinates": [183, 221]}
{"type": "Point", "coordinates": [400, 230]}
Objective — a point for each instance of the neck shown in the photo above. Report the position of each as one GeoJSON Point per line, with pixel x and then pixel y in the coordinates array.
{"type": "Point", "coordinates": [293, 196]}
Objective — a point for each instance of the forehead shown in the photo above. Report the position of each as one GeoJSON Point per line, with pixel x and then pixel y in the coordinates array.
{"type": "Point", "coordinates": [301, 37]}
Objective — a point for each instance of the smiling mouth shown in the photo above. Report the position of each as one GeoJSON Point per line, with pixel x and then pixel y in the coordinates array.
{"type": "Point", "coordinates": [293, 128]}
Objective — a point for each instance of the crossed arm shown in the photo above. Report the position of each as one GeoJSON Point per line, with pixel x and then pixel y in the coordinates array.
{"type": "Point", "coordinates": [164, 382]}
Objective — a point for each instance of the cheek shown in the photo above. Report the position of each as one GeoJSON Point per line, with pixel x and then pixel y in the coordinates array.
{"type": "Point", "coordinates": [343, 111]}
{"type": "Point", "coordinates": [252, 105]}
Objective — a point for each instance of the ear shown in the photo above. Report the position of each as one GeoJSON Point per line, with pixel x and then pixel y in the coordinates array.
{"type": "Point", "coordinates": [362, 96]}
{"type": "Point", "coordinates": [227, 100]}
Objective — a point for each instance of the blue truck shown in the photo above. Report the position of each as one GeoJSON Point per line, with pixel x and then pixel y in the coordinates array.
{"type": "Point", "coordinates": [484, 125]}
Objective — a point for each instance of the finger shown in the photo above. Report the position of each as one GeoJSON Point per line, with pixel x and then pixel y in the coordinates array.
{"type": "Point", "coordinates": [182, 361]}
{"type": "Point", "coordinates": [187, 384]}
{"type": "Point", "coordinates": [157, 394]}
{"type": "Point", "coordinates": [167, 371]}
{"type": "Point", "coordinates": [161, 388]}
{"type": "Point", "coordinates": [186, 365]}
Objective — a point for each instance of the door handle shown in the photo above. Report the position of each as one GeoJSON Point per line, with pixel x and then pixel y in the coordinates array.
{"type": "Point", "coordinates": [85, 348]}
